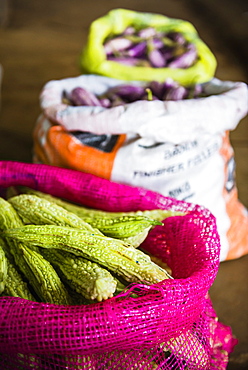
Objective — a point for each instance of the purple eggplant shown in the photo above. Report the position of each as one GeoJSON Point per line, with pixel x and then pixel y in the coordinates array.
{"type": "Point", "coordinates": [157, 89]}
{"type": "Point", "coordinates": [168, 85]}
{"type": "Point", "coordinates": [116, 45]}
{"type": "Point", "coordinates": [129, 31]}
{"type": "Point", "coordinates": [105, 102]}
{"type": "Point", "coordinates": [156, 58]}
{"type": "Point", "coordinates": [151, 48]}
{"type": "Point", "coordinates": [172, 90]}
{"type": "Point", "coordinates": [137, 50]}
{"type": "Point", "coordinates": [176, 93]}
{"type": "Point", "coordinates": [167, 54]}
{"type": "Point", "coordinates": [169, 82]}
{"type": "Point", "coordinates": [147, 32]}
{"type": "Point", "coordinates": [128, 93]}
{"type": "Point", "coordinates": [185, 60]}
{"type": "Point", "coordinates": [80, 96]}
{"type": "Point", "coordinates": [157, 42]}
{"type": "Point", "coordinates": [155, 53]}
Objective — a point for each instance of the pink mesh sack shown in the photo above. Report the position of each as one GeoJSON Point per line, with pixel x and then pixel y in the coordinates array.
{"type": "Point", "coordinates": [169, 325]}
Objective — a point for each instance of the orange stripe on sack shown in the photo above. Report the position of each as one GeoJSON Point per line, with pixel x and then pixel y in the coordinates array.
{"type": "Point", "coordinates": [64, 150]}
{"type": "Point", "coordinates": [237, 234]}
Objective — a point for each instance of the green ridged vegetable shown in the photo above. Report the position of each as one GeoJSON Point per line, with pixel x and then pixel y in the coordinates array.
{"type": "Point", "coordinates": [83, 212]}
{"type": "Point", "coordinates": [154, 214]}
{"type": "Point", "coordinates": [4, 245]}
{"type": "Point", "coordinates": [9, 218]}
{"type": "Point", "coordinates": [124, 260]}
{"type": "Point", "coordinates": [39, 211]}
{"type": "Point", "coordinates": [122, 226]}
{"type": "Point", "coordinates": [52, 289]}
{"type": "Point", "coordinates": [110, 226]}
{"type": "Point", "coordinates": [84, 276]}
{"type": "Point", "coordinates": [3, 268]}
{"type": "Point", "coordinates": [138, 238]}
{"type": "Point", "coordinates": [15, 286]}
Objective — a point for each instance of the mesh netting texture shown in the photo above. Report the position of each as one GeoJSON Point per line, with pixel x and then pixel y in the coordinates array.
{"type": "Point", "coordinates": [168, 325]}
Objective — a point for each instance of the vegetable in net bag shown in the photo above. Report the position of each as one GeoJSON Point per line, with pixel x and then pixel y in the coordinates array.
{"type": "Point", "coordinates": [94, 59]}
{"type": "Point", "coordinates": [179, 148]}
{"type": "Point", "coordinates": [166, 325]}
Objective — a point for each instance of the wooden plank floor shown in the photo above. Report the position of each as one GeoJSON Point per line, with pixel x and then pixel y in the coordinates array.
{"type": "Point", "coordinates": [41, 41]}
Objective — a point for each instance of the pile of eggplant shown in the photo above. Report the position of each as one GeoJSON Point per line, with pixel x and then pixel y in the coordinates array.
{"type": "Point", "coordinates": [129, 93]}
{"type": "Point", "coordinates": [150, 48]}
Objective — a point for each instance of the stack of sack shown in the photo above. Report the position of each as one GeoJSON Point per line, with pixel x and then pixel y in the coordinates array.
{"type": "Point", "coordinates": [144, 127]}
{"type": "Point", "coordinates": [148, 111]}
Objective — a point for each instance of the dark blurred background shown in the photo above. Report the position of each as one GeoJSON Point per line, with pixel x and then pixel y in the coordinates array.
{"type": "Point", "coordinates": [42, 40]}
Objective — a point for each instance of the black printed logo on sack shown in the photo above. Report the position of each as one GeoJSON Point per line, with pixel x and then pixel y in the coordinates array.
{"type": "Point", "coordinates": [230, 183]}
{"type": "Point", "coordinates": [105, 143]}
{"type": "Point", "coordinates": [182, 192]}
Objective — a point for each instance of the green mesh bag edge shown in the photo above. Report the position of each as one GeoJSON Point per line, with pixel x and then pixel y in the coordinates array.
{"type": "Point", "coordinates": [93, 59]}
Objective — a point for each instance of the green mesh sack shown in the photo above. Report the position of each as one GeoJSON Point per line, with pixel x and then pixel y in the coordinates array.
{"type": "Point", "coordinates": [93, 58]}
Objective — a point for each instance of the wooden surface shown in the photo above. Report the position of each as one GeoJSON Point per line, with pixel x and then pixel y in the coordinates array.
{"type": "Point", "coordinates": [41, 41]}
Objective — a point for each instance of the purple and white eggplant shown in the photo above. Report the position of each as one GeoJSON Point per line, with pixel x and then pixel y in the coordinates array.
{"type": "Point", "coordinates": [176, 93]}
{"type": "Point", "coordinates": [147, 32]}
{"type": "Point", "coordinates": [116, 45]}
{"type": "Point", "coordinates": [105, 102]}
{"type": "Point", "coordinates": [128, 93]}
{"type": "Point", "coordinates": [80, 96]}
{"type": "Point", "coordinates": [186, 59]}
{"type": "Point", "coordinates": [148, 47]}
{"type": "Point", "coordinates": [137, 50]}
{"type": "Point", "coordinates": [129, 31]}
{"type": "Point", "coordinates": [156, 58]}
{"type": "Point", "coordinates": [157, 89]}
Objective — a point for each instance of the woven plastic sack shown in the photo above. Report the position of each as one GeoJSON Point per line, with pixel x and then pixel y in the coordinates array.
{"type": "Point", "coordinates": [168, 325]}
{"type": "Point", "coordinates": [177, 148]}
{"type": "Point", "coordinates": [93, 58]}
